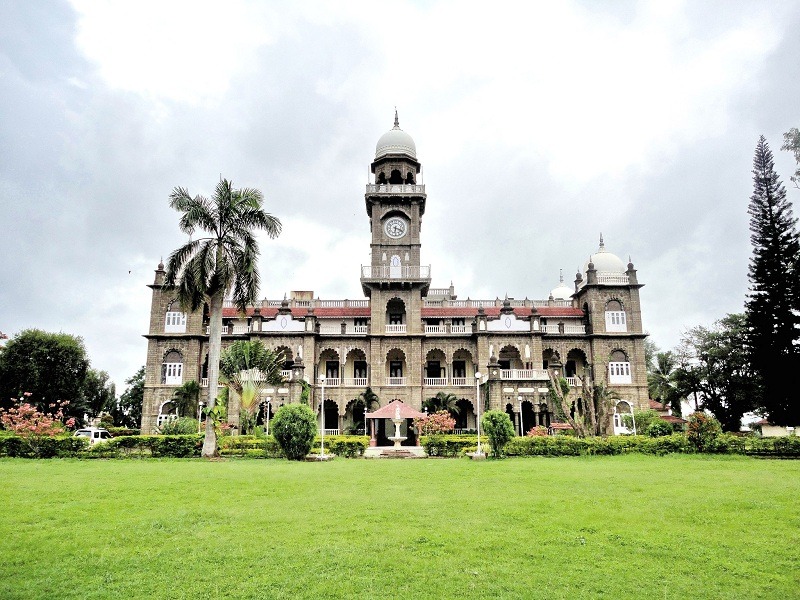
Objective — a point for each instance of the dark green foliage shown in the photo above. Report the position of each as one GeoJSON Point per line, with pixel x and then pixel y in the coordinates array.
{"type": "Point", "coordinates": [449, 445]}
{"type": "Point", "coordinates": [659, 428]}
{"type": "Point", "coordinates": [702, 431]}
{"type": "Point", "coordinates": [773, 302]}
{"type": "Point", "coordinates": [99, 394]}
{"type": "Point", "coordinates": [791, 143]}
{"type": "Point", "coordinates": [294, 427]}
{"type": "Point", "coordinates": [347, 446]}
{"type": "Point", "coordinates": [180, 426]}
{"type": "Point", "coordinates": [716, 364]}
{"type": "Point", "coordinates": [575, 446]}
{"type": "Point", "coordinates": [643, 418]}
{"type": "Point", "coordinates": [442, 401]}
{"type": "Point", "coordinates": [128, 412]}
{"type": "Point", "coordinates": [51, 366]}
{"type": "Point", "coordinates": [499, 429]}
{"type": "Point", "coordinates": [49, 447]}
{"type": "Point", "coordinates": [186, 398]}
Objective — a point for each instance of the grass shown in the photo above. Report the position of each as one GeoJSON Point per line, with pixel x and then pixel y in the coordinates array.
{"type": "Point", "coordinates": [593, 527]}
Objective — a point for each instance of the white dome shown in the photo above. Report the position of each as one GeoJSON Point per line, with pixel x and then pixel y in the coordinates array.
{"type": "Point", "coordinates": [395, 141]}
{"type": "Point", "coordinates": [606, 262]}
{"type": "Point", "coordinates": [561, 291]}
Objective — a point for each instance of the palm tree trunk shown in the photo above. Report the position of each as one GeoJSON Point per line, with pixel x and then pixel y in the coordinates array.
{"type": "Point", "coordinates": [214, 347]}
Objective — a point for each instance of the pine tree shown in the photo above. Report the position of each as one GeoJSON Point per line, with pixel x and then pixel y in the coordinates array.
{"type": "Point", "coordinates": [773, 302]}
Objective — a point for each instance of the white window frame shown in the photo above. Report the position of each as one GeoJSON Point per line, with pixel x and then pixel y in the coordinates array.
{"type": "Point", "coordinates": [175, 322]}
{"type": "Point", "coordinates": [619, 372]}
{"type": "Point", "coordinates": [173, 373]}
{"type": "Point", "coordinates": [616, 321]}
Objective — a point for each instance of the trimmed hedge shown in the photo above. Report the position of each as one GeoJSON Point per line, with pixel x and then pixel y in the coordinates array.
{"type": "Point", "coordinates": [347, 446]}
{"type": "Point", "coordinates": [450, 445]}
{"type": "Point", "coordinates": [44, 447]}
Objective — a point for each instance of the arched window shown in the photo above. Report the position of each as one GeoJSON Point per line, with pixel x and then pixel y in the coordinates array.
{"type": "Point", "coordinates": [172, 369]}
{"type": "Point", "coordinates": [175, 322]}
{"type": "Point", "coordinates": [396, 176]}
{"type": "Point", "coordinates": [619, 368]}
{"type": "Point", "coordinates": [616, 320]}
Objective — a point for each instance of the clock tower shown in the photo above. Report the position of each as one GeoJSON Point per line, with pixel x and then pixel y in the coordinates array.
{"type": "Point", "coordinates": [395, 203]}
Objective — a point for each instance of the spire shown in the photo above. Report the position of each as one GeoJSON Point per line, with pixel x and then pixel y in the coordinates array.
{"type": "Point", "coordinates": [602, 245]}
{"type": "Point", "coordinates": [561, 276]}
{"type": "Point", "coordinates": [396, 120]}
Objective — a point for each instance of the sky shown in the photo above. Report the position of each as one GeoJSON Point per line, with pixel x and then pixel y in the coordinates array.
{"type": "Point", "coordinates": [539, 125]}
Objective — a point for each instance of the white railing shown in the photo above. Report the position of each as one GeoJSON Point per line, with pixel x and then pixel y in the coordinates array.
{"type": "Point", "coordinates": [241, 329]}
{"type": "Point", "coordinates": [272, 303]}
{"type": "Point", "coordinates": [359, 329]}
{"type": "Point", "coordinates": [355, 381]}
{"type": "Point", "coordinates": [331, 303]}
{"type": "Point", "coordinates": [332, 382]}
{"type": "Point", "coordinates": [612, 279]}
{"type": "Point", "coordinates": [568, 329]}
{"type": "Point", "coordinates": [302, 303]}
{"type": "Point", "coordinates": [286, 374]}
{"type": "Point", "coordinates": [402, 272]}
{"type": "Point", "coordinates": [523, 374]}
{"type": "Point", "coordinates": [439, 292]}
{"type": "Point", "coordinates": [331, 431]}
{"type": "Point", "coordinates": [434, 381]}
{"type": "Point", "coordinates": [395, 188]}
{"type": "Point", "coordinates": [572, 381]}
{"type": "Point", "coordinates": [462, 430]}
{"type": "Point", "coordinates": [395, 381]}
{"type": "Point", "coordinates": [460, 381]}
{"type": "Point", "coordinates": [435, 329]}
{"type": "Point", "coordinates": [204, 383]}
{"type": "Point", "coordinates": [396, 328]}
{"type": "Point", "coordinates": [458, 329]}
{"type": "Point", "coordinates": [358, 303]}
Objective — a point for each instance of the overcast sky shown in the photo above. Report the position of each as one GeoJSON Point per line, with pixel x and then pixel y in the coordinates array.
{"type": "Point", "coordinates": [538, 124]}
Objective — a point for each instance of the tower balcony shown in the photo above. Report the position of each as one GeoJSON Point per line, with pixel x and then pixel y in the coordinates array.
{"type": "Point", "coordinates": [395, 189]}
{"type": "Point", "coordinates": [403, 273]}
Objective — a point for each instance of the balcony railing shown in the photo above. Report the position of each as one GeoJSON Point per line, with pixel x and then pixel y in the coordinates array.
{"type": "Point", "coordinates": [395, 188]}
{"type": "Point", "coordinates": [204, 383]}
{"type": "Point", "coordinates": [395, 381]}
{"type": "Point", "coordinates": [435, 329]}
{"type": "Point", "coordinates": [359, 329]}
{"type": "Point", "coordinates": [569, 328]}
{"type": "Point", "coordinates": [460, 381]}
{"type": "Point", "coordinates": [331, 431]}
{"type": "Point", "coordinates": [440, 381]}
{"type": "Point", "coordinates": [382, 272]}
{"type": "Point", "coordinates": [332, 382]}
{"type": "Point", "coordinates": [523, 374]}
{"type": "Point", "coordinates": [396, 328]}
{"type": "Point", "coordinates": [354, 382]}
{"type": "Point", "coordinates": [458, 329]}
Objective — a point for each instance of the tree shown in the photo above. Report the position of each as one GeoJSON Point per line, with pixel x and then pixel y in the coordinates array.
{"type": "Point", "coordinates": [249, 367]}
{"type": "Point", "coordinates": [498, 428]}
{"type": "Point", "coordinates": [442, 401]}
{"type": "Point", "coordinates": [589, 414]}
{"type": "Point", "coordinates": [186, 398]}
{"type": "Point", "coordinates": [715, 367]}
{"type": "Point", "coordinates": [51, 367]}
{"type": "Point", "coordinates": [99, 394]}
{"type": "Point", "coordinates": [205, 270]}
{"type": "Point", "coordinates": [791, 142]}
{"type": "Point", "coordinates": [661, 382]}
{"type": "Point", "coordinates": [129, 408]}
{"type": "Point", "coordinates": [368, 400]}
{"type": "Point", "coordinates": [294, 427]}
{"type": "Point", "coordinates": [773, 301]}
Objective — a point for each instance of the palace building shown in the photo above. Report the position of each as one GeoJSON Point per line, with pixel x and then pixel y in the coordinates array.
{"type": "Point", "coordinates": [407, 340]}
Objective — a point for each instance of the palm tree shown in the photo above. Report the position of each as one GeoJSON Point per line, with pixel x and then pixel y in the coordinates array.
{"type": "Point", "coordinates": [205, 270]}
{"type": "Point", "coordinates": [443, 401]}
{"type": "Point", "coordinates": [249, 367]}
{"type": "Point", "coordinates": [661, 382]}
{"type": "Point", "coordinates": [185, 398]}
{"type": "Point", "coordinates": [369, 399]}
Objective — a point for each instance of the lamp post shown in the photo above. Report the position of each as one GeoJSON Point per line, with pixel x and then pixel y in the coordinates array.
{"type": "Point", "coordinates": [478, 411]}
{"type": "Point", "coordinates": [322, 417]}
{"type": "Point", "coordinates": [519, 399]}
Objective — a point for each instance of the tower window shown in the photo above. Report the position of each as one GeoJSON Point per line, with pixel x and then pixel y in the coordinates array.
{"type": "Point", "coordinates": [396, 177]}
{"type": "Point", "coordinates": [175, 322]}
{"type": "Point", "coordinates": [410, 177]}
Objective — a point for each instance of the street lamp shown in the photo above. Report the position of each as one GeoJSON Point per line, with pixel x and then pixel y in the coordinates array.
{"type": "Point", "coordinates": [478, 412]}
{"type": "Point", "coordinates": [322, 417]}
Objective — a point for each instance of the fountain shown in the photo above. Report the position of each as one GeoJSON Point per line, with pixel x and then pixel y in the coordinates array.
{"type": "Point", "coordinates": [397, 438]}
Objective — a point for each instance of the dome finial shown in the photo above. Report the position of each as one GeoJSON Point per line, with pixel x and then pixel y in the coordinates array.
{"type": "Point", "coordinates": [602, 245]}
{"type": "Point", "coordinates": [561, 275]}
{"type": "Point", "coordinates": [396, 119]}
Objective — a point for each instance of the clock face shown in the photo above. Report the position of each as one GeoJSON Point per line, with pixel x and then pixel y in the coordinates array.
{"type": "Point", "coordinates": [395, 227]}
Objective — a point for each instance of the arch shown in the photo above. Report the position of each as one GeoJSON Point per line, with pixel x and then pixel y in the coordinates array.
{"type": "Point", "coordinates": [172, 367]}
{"type": "Point", "coordinates": [354, 417]}
{"type": "Point", "coordinates": [167, 411]}
{"type": "Point", "coordinates": [381, 177]}
{"type": "Point", "coordinates": [465, 418]}
{"type": "Point", "coordinates": [509, 357]}
{"type": "Point", "coordinates": [614, 305]}
{"type": "Point", "coordinates": [622, 408]}
{"type": "Point", "coordinates": [395, 311]}
{"type": "Point", "coordinates": [462, 367]}
{"type": "Point", "coordinates": [618, 355]}
{"type": "Point", "coordinates": [396, 367]}
{"type": "Point", "coordinates": [173, 355]}
{"type": "Point", "coordinates": [328, 365]}
{"type": "Point", "coordinates": [528, 416]}
{"type": "Point", "coordinates": [396, 176]}
{"type": "Point", "coordinates": [513, 416]}
{"type": "Point", "coordinates": [355, 367]}
{"type": "Point", "coordinates": [550, 358]}
{"type": "Point", "coordinates": [576, 364]}
{"type": "Point", "coordinates": [331, 418]}
{"type": "Point", "coordinates": [410, 177]}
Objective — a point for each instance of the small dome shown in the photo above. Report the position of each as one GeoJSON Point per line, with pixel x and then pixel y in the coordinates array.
{"type": "Point", "coordinates": [395, 141]}
{"type": "Point", "coordinates": [604, 261]}
{"type": "Point", "coordinates": [561, 291]}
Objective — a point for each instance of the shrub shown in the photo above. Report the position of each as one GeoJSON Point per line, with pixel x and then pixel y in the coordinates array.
{"type": "Point", "coordinates": [702, 431]}
{"type": "Point", "coordinates": [294, 427]}
{"type": "Point", "coordinates": [348, 446]}
{"type": "Point", "coordinates": [498, 429]}
{"type": "Point", "coordinates": [449, 445]}
{"type": "Point", "coordinates": [435, 423]}
{"type": "Point", "coordinates": [658, 428]}
{"type": "Point", "coordinates": [180, 426]}
{"type": "Point", "coordinates": [538, 431]}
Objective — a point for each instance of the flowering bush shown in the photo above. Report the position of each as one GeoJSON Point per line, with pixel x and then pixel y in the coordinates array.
{"type": "Point", "coordinates": [703, 430]}
{"type": "Point", "coordinates": [538, 431]}
{"type": "Point", "coordinates": [32, 426]}
{"type": "Point", "coordinates": [435, 423]}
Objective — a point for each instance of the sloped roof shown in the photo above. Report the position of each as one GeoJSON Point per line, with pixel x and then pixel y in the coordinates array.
{"type": "Point", "coordinates": [427, 313]}
{"type": "Point", "coordinates": [390, 410]}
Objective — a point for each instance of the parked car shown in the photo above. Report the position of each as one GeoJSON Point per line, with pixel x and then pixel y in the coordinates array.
{"type": "Point", "coordinates": [96, 435]}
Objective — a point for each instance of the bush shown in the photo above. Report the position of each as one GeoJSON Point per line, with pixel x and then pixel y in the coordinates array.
{"type": "Point", "coordinates": [498, 429]}
{"type": "Point", "coordinates": [449, 445]}
{"type": "Point", "coordinates": [658, 428]}
{"type": "Point", "coordinates": [702, 431]}
{"type": "Point", "coordinates": [180, 426]}
{"type": "Point", "coordinates": [294, 427]}
{"type": "Point", "coordinates": [348, 446]}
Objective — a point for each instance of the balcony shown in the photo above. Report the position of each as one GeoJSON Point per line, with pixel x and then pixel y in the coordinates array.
{"type": "Point", "coordinates": [568, 329]}
{"type": "Point", "coordinates": [331, 431]}
{"type": "Point", "coordinates": [355, 382]}
{"type": "Point", "coordinates": [395, 188]}
{"type": "Point", "coordinates": [359, 329]}
{"type": "Point", "coordinates": [232, 329]}
{"type": "Point", "coordinates": [461, 382]}
{"type": "Point", "coordinates": [438, 381]}
{"type": "Point", "coordinates": [527, 374]}
{"type": "Point", "coordinates": [435, 329]}
{"type": "Point", "coordinates": [204, 383]}
{"type": "Point", "coordinates": [396, 328]}
{"type": "Point", "coordinates": [458, 329]}
{"type": "Point", "coordinates": [395, 381]}
{"type": "Point", "coordinates": [332, 382]}
{"type": "Point", "coordinates": [405, 273]}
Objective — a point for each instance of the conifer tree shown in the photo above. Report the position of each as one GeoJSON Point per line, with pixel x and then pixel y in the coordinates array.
{"type": "Point", "coordinates": [773, 302]}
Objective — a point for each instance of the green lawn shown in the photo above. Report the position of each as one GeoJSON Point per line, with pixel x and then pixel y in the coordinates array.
{"type": "Point", "coordinates": [592, 527]}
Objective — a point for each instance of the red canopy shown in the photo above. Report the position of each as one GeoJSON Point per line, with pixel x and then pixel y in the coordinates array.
{"type": "Point", "coordinates": [390, 410]}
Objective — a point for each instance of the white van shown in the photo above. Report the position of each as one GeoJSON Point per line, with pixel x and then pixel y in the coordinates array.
{"type": "Point", "coordinates": [95, 434]}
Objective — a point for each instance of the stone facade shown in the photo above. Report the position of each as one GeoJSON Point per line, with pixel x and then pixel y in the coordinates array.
{"type": "Point", "coordinates": [408, 341]}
